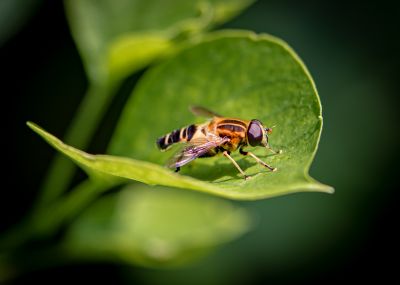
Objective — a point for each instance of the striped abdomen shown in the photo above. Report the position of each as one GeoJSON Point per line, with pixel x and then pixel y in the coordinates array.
{"type": "Point", "coordinates": [183, 134]}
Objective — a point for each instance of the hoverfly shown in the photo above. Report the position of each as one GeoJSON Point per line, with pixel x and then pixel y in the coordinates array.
{"type": "Point", "coordinates": [220, 134]}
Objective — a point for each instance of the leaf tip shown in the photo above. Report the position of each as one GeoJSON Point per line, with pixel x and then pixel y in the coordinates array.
{"type": "Point", "coordinates": [320, 187]}
{"type": "Point", "coordinates": [330, 190]}
{"type": "Point", "coordinates": [326, 189]}
{"type": "Point", "coordinates": [36, 128]}
{"type": "Point", "coordinates": [32, 126]}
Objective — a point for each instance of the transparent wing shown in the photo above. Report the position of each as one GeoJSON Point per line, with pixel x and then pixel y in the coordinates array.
{"type": "Point", "coordinates": [195, 149]}
{"type": "Point", "coordinates": [203, 112]}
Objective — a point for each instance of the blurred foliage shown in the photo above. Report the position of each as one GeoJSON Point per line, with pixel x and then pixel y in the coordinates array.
{"type": "Point", "coordinates": [154, 227]}
{"type": "Point", "coordinates": [351, 53]}
{"type": "Point", "coordinates": [116, 38]}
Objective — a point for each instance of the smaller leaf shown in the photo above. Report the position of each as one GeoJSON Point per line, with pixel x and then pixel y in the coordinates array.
{"type": "Point", "coordinates": [153, 228]}
{"type": "Point", "coordinates": [132, 52]}
{"type": "Point", "coordinates": [116, 38]}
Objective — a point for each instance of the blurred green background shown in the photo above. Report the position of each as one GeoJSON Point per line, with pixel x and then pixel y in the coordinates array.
{"type": "Point", "coordinates": [351, 50]}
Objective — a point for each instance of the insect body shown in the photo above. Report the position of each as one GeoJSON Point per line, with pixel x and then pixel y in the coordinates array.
{"type": "Point", "coordinates": [219, 135]}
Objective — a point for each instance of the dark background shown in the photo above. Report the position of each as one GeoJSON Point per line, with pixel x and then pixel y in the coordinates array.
{"type": "Point", "coordinates": [351, 49]}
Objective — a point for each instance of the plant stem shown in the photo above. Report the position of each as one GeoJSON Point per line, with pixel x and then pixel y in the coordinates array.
{"type": "Point", "coordinates": [41, 225]}
{"type": "Point", "coordinates": [81, 130]}
{"type": "Point", "coordinates": [45, 221]}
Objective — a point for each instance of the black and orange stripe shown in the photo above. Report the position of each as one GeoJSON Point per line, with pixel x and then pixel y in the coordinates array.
{"type": "Point", "coordinates": [232, 125]}
{"type": "Point", "coordinates": [183, 134]}
{"type": "Point", "coordinates": [233, 121]}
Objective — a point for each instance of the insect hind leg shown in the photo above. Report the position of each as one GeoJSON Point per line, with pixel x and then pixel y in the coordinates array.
{"type": "Point", "coordinates": [226, 154]}
{"type": "Point", "coordinates": [257, 159]}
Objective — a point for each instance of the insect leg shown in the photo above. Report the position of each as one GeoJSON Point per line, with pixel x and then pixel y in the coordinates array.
{"type": "Point", "coordinates": [226, 153]}
{"type": "Point", "coordinates": [257, 159]}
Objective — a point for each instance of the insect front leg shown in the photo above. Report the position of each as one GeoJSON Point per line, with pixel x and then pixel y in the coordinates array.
{"type": "Point", "coordinates": [226, 154]}
{"type": "Point", "coordinates": [257, 159]}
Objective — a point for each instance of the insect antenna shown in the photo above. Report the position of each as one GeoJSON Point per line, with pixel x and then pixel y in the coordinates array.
{"type": "Point", "coordinates": [267, 146]}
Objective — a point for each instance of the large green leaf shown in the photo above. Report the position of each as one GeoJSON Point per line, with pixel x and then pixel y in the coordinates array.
{"type": "Point", "coordinates": [117, 37]}
{"type": "Point", "coordinates": [238, 74]}
{"type": "Point", "coordinates": [154, 226]}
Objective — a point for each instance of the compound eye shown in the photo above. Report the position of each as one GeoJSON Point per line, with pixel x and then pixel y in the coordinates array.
{"type": "Point", "coordinates": [255, 133]}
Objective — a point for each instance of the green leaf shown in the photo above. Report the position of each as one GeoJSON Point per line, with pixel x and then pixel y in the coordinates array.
{"type": "Point", "coordinates": [238, 74]}
{"type": "Point", "coordinates": [154, 226]}
{"type": "Point", "coordinates": [116, 38]}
